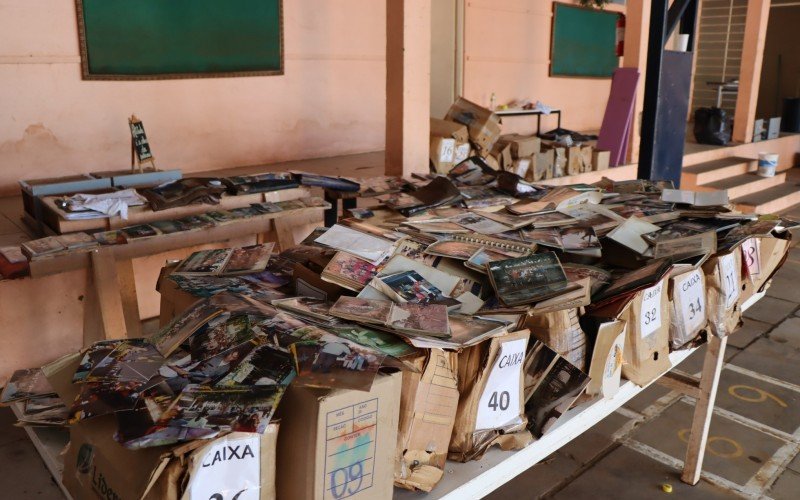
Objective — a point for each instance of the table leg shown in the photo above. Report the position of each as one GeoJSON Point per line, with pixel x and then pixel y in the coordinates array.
{"type": "Point", "coordinates": [331, 214]}
{"type": "Point", "coordinates": [559, 118]}
{"type": "Point", "coordinates": [348, 203]}
{"type": "Point", "coordinates": [130, 302]}
{"type": "Point", "coordinates": [109, 299]}
{"type": "Point", "coordinates": [704, 408]}
{"type": "Point", "coordinates": [284, 233]}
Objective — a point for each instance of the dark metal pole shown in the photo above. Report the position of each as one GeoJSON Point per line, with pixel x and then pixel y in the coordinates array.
{"type": "Point", "coordinates": [652, 86]}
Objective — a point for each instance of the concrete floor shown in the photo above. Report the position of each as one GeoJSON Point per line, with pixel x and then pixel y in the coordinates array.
{"type": "Point", "coordinates": [753, 445]}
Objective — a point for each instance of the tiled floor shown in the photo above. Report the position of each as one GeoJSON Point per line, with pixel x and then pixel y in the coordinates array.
{"type": "Point", "coordinates": [753, 444]}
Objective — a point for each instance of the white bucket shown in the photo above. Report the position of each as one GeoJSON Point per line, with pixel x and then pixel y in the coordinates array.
{"type": "Point", "coordinates": [767, 163]}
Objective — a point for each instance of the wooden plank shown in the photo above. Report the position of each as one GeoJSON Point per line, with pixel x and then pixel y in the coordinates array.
{"type": "Point", "coordinates": [755, 34]}
{"type": "Point", "coordinates": [618, 114]}
{"type": "Point", "coordinates": [173, 241]}
{"type": "Point", "coordinates": [283, 233]}
{"type": "Point", "coordinates": [704, 408]}
{"type": "Point", "coordinates": [685, 384]}
{"type": "Point", "coordinates": [106, 284]}
{"type": "Point", "coordinates": [54, 216]}
{"type": "Point", "coordinates": [130, 302]}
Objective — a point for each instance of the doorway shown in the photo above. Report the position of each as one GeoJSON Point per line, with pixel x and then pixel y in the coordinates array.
{"type": "Point", "coordinates": [447, 35]}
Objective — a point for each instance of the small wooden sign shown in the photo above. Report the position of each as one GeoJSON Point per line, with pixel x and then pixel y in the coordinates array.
{"type": "Point", "coordinates": [140, 147]}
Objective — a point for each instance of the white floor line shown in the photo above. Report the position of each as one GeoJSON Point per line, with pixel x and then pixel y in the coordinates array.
{"type": "Point", "coordinates": [677, 464]}
{"type": "Point", "coordinates": [747, 422]}
{"type": "Point", "coordinates": [628, 413]}
{"type": "Point", "coordinates": [775, 466]}
{"type": "Point", "coordinates": [762, 377]}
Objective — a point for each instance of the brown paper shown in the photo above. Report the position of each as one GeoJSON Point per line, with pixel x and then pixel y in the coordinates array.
{"type": "Point", "coordinates": [475, 364]}
{"type": "Point", "coordinates": [428, 404]}
{"type": "Point", "coordinates": [722, 321]}
{"type": "Point", "coordinates": [562, 332]}
{"type": "Point", "coordinates": [646, 357]}
{"type": "Point", "coordinates": [680, 333]}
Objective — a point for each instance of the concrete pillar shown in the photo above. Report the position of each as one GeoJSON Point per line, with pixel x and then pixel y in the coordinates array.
{"type": "Point", "coordinates": [408, 56]}
{"type": "Point", "coordinates": [637, 25]}
{"type": "Point", "coordinates": [755, 34]}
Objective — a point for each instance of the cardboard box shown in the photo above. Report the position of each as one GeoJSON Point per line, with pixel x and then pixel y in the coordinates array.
{"type": "Point", "coordinates": [443, 153]}
{"type": "Point", "coordinates": [646, 352]}
{"type": "Point", "coordinates": [96, 466]}
{"type": "Point", "coordinates": [561, 332]}
{"type": "Point", "coordinates": [502, 153]}
{"type": "Point", "coordinates": [446, 128]}
{"type": "Point", "coordinates": [462, 152]}
{"type": "Point", "coordinates": [724, 292]}
{"type": "Point", "coordinates": [491, 405]}
{"type": "Point", "coordinates": [688, 307]}
{"type": "Point", "coordinates": [574, 160]}
{"type": "Point", "coordinates": [586, 158]}
{"type": "Point", "coordinates": [482, 124]}
{"type": "Point", "coordinates": [339, 443]}
{"type": "Point", "coordinates": [522, 146]}
{"type": "Point", "coordinates": [600, 159]}
{"type": "Point", "coordinates": [522, 167]}
{"type": "Point", "coordinates": [428, 403]}
{"type": "Point", "coordinates": [542, 165]}
{"type": "Point", "coordinates": [173, 300]}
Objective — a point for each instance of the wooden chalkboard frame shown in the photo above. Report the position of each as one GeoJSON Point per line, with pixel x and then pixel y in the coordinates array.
{"type": "Point", "coordinates": [87, 75]}
{"type": "Point", "coordinates": [553, 41]}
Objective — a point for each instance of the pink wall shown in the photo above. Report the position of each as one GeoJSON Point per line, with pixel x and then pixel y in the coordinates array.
{"type": "Point", "coordinates": [507, 51]}
{"type": "Point", "coordinates": [330, 101]}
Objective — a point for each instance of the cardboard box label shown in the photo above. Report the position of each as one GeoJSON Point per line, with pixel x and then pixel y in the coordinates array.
{"type": "Point", "coordinates": [230, 468]}
{"type": "Point", "coordinates": [729, 279]}
{"type": "Point", "coordinates": [691, 287]}
{"type": "Point", "coordinates": [447, 150]}
{"type": "Point", "coordinates": [462, 153]}
{"type": "Point", "coordinates": [613, 367]}
{"type": "Point", "coordinates": [751, 255]}
{"type": "Point", "coordinates": [650, 315]}
{"type": "Point", "coordinates": [350, 449]}
{"type": "Point", "coordinates": [500, 402]}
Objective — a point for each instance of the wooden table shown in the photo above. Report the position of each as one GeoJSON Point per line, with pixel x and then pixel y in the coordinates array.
{"type": "Point", "coordinates": [112, 310]}
{"type": "Point", "coordinates": [530, 112]}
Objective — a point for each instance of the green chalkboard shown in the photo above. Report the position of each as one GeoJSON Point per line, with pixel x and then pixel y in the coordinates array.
{"type": "Point", "coordinates": [583, 42]}
{"type": "Point", "coordinates": [154, 39]}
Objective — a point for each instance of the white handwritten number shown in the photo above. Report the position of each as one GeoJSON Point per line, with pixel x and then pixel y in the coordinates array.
{"type": "Point", "coordinates": [505, 401]}
{"type": "Point", "coordinates": [351, 474]}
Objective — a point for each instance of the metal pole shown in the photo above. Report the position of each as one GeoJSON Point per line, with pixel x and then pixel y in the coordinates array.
{"type": "Point", "coordinates": [652, 87]}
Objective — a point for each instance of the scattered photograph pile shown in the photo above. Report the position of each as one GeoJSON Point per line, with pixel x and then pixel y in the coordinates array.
{"type": "Point", "coordinates": [442, 262]}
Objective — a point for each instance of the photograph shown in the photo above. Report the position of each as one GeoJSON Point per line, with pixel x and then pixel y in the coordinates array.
{"type": "Point", "coordinates": [349, 270]}
{"type": "Point", "coordinates": [219, 334]}
{"type": "Point", "coordinates": [183, 326]}
{"type": "Point", "coordinates": [421, 319]}
{"type": "Point", "coordinates": [410, 286]}
{"type": "Point", "coordinates": [362, 310]}
{"type": "Point", "coordinates": [264, 365]}
{"type": "Point", "coordinates": [25, 384]}
{"type": "Point", "coordinates": [578, 238]}
{"type": "Point", "coordinates": [528, 279]}
{"type": "Point", "coordinates": [335, 362]}
{"type": "Point", "coordinates": [250, 259]}
{"type": "Point", "coordinates": [204, 262]}
{"type": "Point", "coordinates": [453, 249]}
{"type": "Point", "coordinates": [131, 360]}
{"type": "Point", "coordinates": [226, 409]}
{"type": "Point", "coordinates": [387, 343]}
